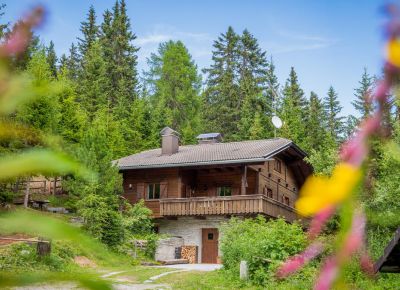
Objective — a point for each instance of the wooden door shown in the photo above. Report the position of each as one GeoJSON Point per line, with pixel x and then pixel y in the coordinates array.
{"type": "Point", "coordinates": [209, 248]}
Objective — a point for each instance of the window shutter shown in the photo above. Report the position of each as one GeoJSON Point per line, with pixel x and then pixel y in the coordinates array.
{"type": "Point", "coordinates": [140, 191]}
{"type": "Point", "coordinates": [163, 190]}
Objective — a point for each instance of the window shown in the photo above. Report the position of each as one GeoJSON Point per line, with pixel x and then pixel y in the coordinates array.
{"type": "Point", "coordinates": [269, 192]}
{"type": "Point", "coordinates": [210, 236]}
{"type": "Point", "coordinates": [153, 191]}
{"type": "Point", "coordinates": [224, 191]}
{"type": "Point", "coordinates": [278, 165]}
{"type": "Point", "coordinates": [286, 200]}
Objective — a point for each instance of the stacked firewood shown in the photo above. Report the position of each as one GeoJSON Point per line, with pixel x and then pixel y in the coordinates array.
{"type": "Point", "coordinates": [189, 253]}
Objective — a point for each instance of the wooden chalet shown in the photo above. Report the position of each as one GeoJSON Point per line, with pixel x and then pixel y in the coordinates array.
{"type": "Point", "coordinates": [192, 189]}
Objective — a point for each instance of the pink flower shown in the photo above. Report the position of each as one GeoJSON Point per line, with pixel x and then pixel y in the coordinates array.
{"type": "Point", "coordinates": [17, 42]}
{"type": "Point", "coordinates": [355, 239]}
{"type": "Point", "coordinates": [366, 264]}
{"type": "Point", "coordinates": [298, 261]}
{"type": "Point", "coordinates": [382, 90]}
{"type": "Point", "coordinates": [328, 275]}
{"type": "Point", "coordinates": [319, 221]}
{"type": "Point", "coordinates": [19, 38]}
{"type": "Point", "coordinates": [354, 150]}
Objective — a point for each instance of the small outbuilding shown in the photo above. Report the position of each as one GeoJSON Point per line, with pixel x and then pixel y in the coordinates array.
{"type": "Point", "coordinates": [389, 262]}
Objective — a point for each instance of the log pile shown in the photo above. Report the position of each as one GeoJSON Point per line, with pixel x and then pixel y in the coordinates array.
{"type": "Point", "coordinates": [189, 253]}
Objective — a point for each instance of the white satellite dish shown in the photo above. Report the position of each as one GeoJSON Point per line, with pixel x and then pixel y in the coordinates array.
{"type": "Point", "coordinates": [277, 122]}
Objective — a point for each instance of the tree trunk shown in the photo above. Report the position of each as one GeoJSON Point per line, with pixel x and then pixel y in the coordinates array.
{"type": "Point", "coordinates": [43, 247]}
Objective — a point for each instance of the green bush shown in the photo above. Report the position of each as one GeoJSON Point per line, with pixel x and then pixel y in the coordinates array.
{"type": "Point", "coordinates": [102, 219]}
{"type": "Point", "coordinates": [137, 219]}
{"type": "Point", "coordinates": [263, 244]}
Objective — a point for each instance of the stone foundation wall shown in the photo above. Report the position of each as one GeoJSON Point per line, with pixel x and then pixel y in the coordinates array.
{"type": "Point", "coordinates": [189, 228]}
{"type": "Point", "coordinates": [166, 248]}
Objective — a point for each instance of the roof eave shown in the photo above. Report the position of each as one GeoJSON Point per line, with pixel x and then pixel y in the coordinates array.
{"type": "Point", "coordinates": [218, 162]}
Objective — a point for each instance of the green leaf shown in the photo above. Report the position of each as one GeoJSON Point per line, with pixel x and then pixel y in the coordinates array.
{"type": "Point", "coordinates": [40, 161]}
{"type": "Point", "coordinates": [23, 279]}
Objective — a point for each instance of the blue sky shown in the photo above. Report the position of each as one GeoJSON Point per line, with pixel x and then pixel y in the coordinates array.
{"type": "Point", "coordinates": [328, 42]}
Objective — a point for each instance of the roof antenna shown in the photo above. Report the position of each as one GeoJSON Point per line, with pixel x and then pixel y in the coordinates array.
{"type": "Point", "coordinates": [277, 122]}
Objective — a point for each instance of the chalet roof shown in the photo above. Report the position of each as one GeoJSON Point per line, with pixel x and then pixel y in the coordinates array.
{"type": "Point", "coordinates": [390, 260]}
{"type": "Point", "coordinates": [210, 154]}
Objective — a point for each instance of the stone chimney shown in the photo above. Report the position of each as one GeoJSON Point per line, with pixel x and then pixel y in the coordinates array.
{"type": "Point", "coordinates": [208, 138]}
{"type": "Point", "coordinates": [170, 141]}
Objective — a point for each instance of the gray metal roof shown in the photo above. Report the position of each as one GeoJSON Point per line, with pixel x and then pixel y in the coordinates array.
{"type": "Point", "coordinates": [208, 154]}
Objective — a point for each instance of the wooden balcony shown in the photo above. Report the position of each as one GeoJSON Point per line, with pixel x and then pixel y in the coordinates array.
{"type": "Point", "coordinates": [232, 205]}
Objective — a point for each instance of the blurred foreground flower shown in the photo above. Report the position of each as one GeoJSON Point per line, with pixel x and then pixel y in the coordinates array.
{"type": "Point", "coordinates": [322, 196]}
{"type": "Point", "coordinates": [319, 193]}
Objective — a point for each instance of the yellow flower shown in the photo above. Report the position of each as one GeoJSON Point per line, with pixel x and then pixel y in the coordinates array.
{"type": "Point", "coordinates": [393, 52]}
{"type": "Point", "coordinates": [319, 192]}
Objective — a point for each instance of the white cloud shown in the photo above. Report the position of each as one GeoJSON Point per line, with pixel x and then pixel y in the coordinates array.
{"type": "Point", "coordinates": [292, 42]}
{"type": "Point", "coordinates": [198, 44]}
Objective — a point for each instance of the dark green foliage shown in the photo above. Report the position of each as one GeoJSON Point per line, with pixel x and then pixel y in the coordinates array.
{"type": "Point", "coordinates": [43, 112]}
{"type": "Point", "coordinates": [73, 64]}
{"type": "Point", "coordinates": [175, 100]}
{"type": "Point", "coordinates": [263, 244]}
{"type": "Point", "coordinates": [90, 32]}
{"type": "Point", "coordinates": [332, 109]}
{"type": "Point", "coordinates": [94, 82]}
{"type": "Point", "coordinates": [52, 59]}
{"type": "Point", "coordinates": [3, 26]}
{"type": "Point", "coordinates": [102, 220]}
{"type": "Point", "coordinates": [137, 219]}
{"type": "Point", "coordinates": [236, 93]}
{"type": "Point", "coordinates": [362, 103]}
{"type": "Point", "coordinates": [294, 110]}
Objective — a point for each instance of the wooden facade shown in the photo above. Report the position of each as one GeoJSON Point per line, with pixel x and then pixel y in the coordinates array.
{"type": "Point", "coordinates": [268, 188]}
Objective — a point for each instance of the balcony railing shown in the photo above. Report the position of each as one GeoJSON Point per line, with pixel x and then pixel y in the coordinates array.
{"type": "Point", "coordinates": [238, 204]}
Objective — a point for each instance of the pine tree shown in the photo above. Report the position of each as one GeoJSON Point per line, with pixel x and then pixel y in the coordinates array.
{"type": "Point", "coordinates": [253, 71]}
{"type": "Point", "coordinates": [294, 110]}
{"type": "Point", "coordinates": [176, 99]}
{"type": "Point", "coordinates": [51, 57]}
{"type": "Point", "coordinates": [43, 112]}
{"type": "Point", "coordinates": [362, 103]}
{"type": "Point", "coordinates": [73, 64]}
{"type": "Point", "coordinates": [21, 61]}
{"type": "Point", "coordinates": [90, 32]}
{"type": "Point", "coordinates": [122, 59]}
{"type": "Point", "coordinates": [94, 81]}
{"type": "Point", "coordinates": [332, 109]}
{"type": "Point", "coordinates": [315, 122]}
{"type": "Point", "coordinates": [222, 89]}
{"type": "Point", "coordinates": [72, 117]}
{"type": "Point", "coordinates": [62, 63]}
{"type": "Point", "coordinates": [272, 93]}
{"type": "Point", "coordinates": [3, 26]}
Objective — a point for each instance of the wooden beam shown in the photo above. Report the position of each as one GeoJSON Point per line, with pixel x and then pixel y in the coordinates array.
{"type": "Point", "coordinates": [257, 182]}
{"type": "Point", "coordinates": [244, 180]}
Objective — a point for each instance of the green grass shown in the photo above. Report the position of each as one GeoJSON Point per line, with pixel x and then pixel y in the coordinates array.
{"type": "Point", "coordinates": [139, 274]}
{"type": "Point", "coordinates": [203, 280]}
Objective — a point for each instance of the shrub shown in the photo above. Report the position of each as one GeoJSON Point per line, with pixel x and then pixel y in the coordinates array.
{"type": "Point", "coordinates": [137, 219]}
{"type": "Point", "coordinates": [23, 257]}
{"type": "Point", "coordinates": [263, 244]}
{"type": "Point", "coordinates": [102, 220]}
